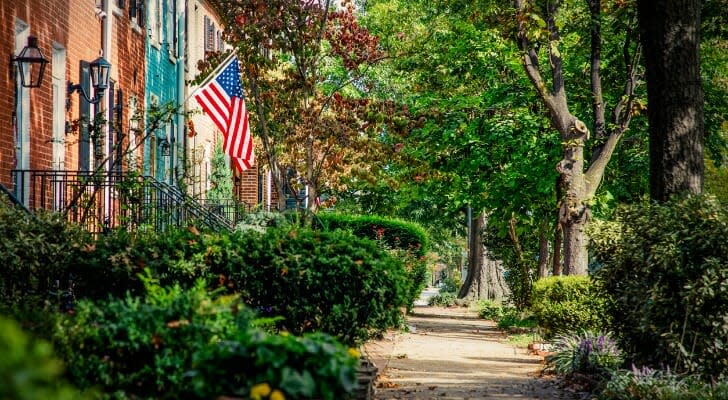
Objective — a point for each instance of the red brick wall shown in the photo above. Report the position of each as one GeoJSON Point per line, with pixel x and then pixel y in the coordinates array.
{"type": "Point", "coordinates": [74, 25]}
{"type": "Point", "coordinates": [246, 186]}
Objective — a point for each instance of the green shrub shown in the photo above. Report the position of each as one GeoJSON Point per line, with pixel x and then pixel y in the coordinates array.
{"type": "Point", "coordinates": [332, 282]}
{"type": "Point", "coordinates": [396, 234]}
{"type": "Point", "coordinates": [450, 285]}
{"type": "Point", "coordinates": [36, 254]}
{"type": "Point", "coordinates": [28, 369]}
{"type": "Point", "coordinates": [189, 344]}
{"type": "Point", "coordinates": [513, 318]}
{"type": "Point", "coordinates": [649, 384]}
{"type": "Point", "coordinates": [317, 281]}
{"type": "Point", "coordinates": [314, 366]}
{"type": "Point", "coordinates": [586, 352]}
{"type": "Point", "coordinates": [564, 304]}
{"type": "Point", "coordinates": [488, 309]}
{"type": "Point", "coordinates": [664, 267]}
{"type": "Point", "coordinates": [407, 239]}
{"type": "Point", "coordinates": [442, 300]}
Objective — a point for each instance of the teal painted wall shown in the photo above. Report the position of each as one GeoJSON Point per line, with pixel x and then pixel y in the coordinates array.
{"type": "Point", "coordinates": [164, 66]}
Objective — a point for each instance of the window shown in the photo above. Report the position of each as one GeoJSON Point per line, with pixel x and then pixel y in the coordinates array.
{"type": "Point", "coordinates": [58, 80]}
{"type": "Point", "coordinates": [209, 35]}
{"type": "Point", "coordinates": [171, 34]}
{"type": "Point", "coordinates": [156, 14]}
{"type": "Point", "coordinates": [136, 11]}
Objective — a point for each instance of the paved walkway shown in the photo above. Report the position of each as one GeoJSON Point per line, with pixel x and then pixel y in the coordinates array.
{"type": "Point", "coordinates": [450, 353]}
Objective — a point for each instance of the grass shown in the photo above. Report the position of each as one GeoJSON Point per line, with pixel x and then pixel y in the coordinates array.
{"type": "Point", "coordinates": [522, 340]}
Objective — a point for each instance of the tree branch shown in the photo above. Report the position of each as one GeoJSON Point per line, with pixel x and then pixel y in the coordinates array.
{"type": "Point", "coordinates": [596, 59]}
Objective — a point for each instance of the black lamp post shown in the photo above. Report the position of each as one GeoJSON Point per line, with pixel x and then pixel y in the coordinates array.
{"type": "Point", "coordinates": [99, 80]}
{"type": "Point", "coordinates": [31, 64]}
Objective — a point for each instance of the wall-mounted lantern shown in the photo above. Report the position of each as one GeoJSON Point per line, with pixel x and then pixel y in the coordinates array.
{"type": "Point", "coordinates": [31, 63]}
{"type": "Point", "coordinates": [100, 69]}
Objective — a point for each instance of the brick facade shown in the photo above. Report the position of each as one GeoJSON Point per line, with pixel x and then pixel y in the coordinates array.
{"type": "Point", "coordinates": [73, 28]}
{"type": "Point", "coordinates": [143, 68]}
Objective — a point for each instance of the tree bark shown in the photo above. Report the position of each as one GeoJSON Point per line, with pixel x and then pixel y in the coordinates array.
{"type": "Point", "coordinates": [543, 249]}
{"type": "Point", "coordinates": [485, 276]}
{"type": "Point", "coordinates": [580, 183]}
{"type": "Point", "coordinates": [670, 34]}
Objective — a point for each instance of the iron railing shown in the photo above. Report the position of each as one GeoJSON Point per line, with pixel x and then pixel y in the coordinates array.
{"type": "Point", "coordinates": [100, 202]}
{"type": "Point", "coordinates": [14, 200]}
{"type": "Point", "coordinates": [230, 209]}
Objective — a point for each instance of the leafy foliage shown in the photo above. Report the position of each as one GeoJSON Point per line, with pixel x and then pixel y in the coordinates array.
{"type": "Point", "coordinates": [36, 252]}
{"type": "Point", "coordinates": [318, 281]}
{"type": "Point", "coordinates": [564, 304]}
{"type": "Point", "coordinates": [442, 299]}
{"type": "Point", "coordinates": [649, 384]}
{"type": "Point", "coordinates": [488, 309]}
{"type": "Point", "coordinates": [28, 369]}
{"type": "Point", "coordinates": [587, 352]}
{"type": "Point", "coordinates": [176, 343]}
{"type": "Point", "coordinates": [664, 269]}
{"type": "Point", "coordinates": [394, 233]}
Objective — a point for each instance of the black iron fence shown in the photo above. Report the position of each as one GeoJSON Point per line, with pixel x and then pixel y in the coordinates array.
{"type": "Point", "coordinates": [100, 202]}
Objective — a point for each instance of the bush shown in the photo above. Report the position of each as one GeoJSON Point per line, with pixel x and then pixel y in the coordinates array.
{"type": "Point", "coordinates": [332, 282]}
{"type": "Point", "coordinates": [177, 343]}
{"type": "Point", "coordinates": [564, 304]}
{"type": "Point", "coordinates": [513, 318]}
{"type": "Point", "coordinates": [649, 384]}
{"type": "Point", "coordinates": [396, 234]}
{"type": "Point", "coordinates": [488, 309]}
{"type": "Point", "coordinates": [36, 254]}
{"type": "Point", "coordinates": [28, 369]}
{"type": "Point", "coordinates": [442, 300]}
{"type": "Point", "coordinates": [317, 281]}
{"type": "Point", "coordinates": [587, 353]}
{"type": "Point", "coordinates": [664, 266]}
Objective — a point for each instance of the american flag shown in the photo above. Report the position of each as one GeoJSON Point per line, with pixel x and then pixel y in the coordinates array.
{"type": "Point", "coordinates": [222, 99]}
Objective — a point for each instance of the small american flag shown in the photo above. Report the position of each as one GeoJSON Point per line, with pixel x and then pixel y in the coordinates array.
{"type": "Point", "coordinates": [222, 99]}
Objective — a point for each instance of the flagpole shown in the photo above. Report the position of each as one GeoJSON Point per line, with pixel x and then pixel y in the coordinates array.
{"type": "Point", "coordinates": [211, 75]}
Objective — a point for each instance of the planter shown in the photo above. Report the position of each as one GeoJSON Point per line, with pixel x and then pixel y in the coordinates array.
{"type": "Point", "coordinates": [366, 373]}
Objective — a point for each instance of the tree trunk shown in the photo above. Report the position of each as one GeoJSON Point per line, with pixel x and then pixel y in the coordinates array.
{"type": "Point", "coordinates": [558, 231]}
{"type": "Point", "coordinates": [574, 211]}
{"type": "Point", "coordinates": [543, 250]}
{"type": "Point", "coordinates": [485, 276]}
{"type": "Point", "coordinates": [670, 35]}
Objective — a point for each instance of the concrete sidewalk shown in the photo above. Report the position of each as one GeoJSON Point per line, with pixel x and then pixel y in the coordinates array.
{"type": "Point", "coordinates": [450, 353]}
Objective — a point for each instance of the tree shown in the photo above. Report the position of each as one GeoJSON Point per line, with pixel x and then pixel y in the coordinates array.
{"type": "Point", "coordinates": [302, 63]}
{"type": "Point", "coordinates": [670, 35]}
{"type": "Point", "coordinates": [477, 142]}
{"type": "Point", "coordinates": [221, 177]}
{"type": "Point", "coordinates": [539, 27]}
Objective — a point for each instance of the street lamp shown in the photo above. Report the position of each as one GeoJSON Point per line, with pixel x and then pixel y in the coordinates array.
{"type": "Point", "coordinates": [99, 80]}
{"type": "Point", "coordinates": [31, 64]}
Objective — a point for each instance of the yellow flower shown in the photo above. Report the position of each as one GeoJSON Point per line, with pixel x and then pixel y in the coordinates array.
{"type": "Point", "coordinates": [277, 395]}
{"type": "Point", "coordinates": [354, 353]}
{"type": "Point", "coordinates": [259, 391]}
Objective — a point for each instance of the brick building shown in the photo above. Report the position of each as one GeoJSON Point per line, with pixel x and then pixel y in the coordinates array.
{"type": "Point", "coordinates": [47, 128]}
{"type": "Point", "coordinates": [62, 130]}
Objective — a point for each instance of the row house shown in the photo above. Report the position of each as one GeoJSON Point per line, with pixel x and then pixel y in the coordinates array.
{"type": "Point", "coordinates": [111, 98]}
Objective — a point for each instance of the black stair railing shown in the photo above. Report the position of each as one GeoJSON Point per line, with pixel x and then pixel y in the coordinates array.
{"type": "Point", "coordinates": [99, 202]}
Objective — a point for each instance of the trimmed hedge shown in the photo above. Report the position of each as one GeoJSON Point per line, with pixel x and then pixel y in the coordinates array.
{"type": "Point", "coordinates": [665, 267]}
{"type": "Point", "coordinates": [395, 233]}
{"type": "Point", "coordinates": [329, 281]}
{"type": "Point", "coordinates": [563, 304]}
{"type": "Point", "coordinates": [408, 239]}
